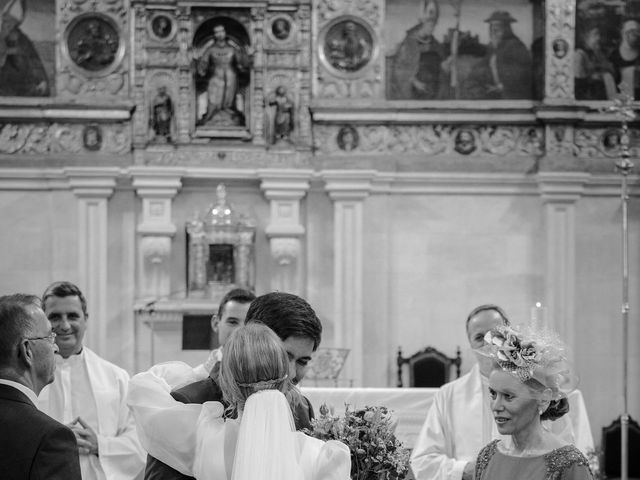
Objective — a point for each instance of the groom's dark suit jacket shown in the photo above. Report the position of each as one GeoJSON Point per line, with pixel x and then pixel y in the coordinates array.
{"type": "Point", "coordinates": [33, 446]}
{"type": "Point", "coordinates": [205, 391]}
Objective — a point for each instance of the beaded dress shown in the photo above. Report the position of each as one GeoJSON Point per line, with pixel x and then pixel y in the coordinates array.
{"type": "Point", "coordinates": [564, 463]}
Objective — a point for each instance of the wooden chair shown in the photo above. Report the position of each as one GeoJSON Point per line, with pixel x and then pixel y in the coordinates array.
{"type": "Point", "coordinates": [428, 367]}
{"type": "Point", "coordinates": [326, 365]}
{"type": "Point", "coordinates": [611, 448]}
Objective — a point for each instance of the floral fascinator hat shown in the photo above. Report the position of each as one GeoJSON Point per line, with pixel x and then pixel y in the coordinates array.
{"type": "Point", "coordinates": [532, 354]}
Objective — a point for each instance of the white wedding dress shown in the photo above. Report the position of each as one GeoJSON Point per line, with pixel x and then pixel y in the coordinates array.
{"type": "Point", "coordinates": [197, 441]}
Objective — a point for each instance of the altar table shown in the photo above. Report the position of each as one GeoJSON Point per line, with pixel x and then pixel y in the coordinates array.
{"type": "Point", "coordinates": [410, 405]}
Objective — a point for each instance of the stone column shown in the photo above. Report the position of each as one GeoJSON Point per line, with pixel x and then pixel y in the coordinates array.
{"type": "Point", "coordinates": [284, 189]}
{"type": "Point", "coordinates": [93, 187]}
{"type": "Point", "coordinates": [348, 189]}
{"type": "Point", "coordinates": [156, 187]}
{"type": "Point", "coordinates": [560, 192]}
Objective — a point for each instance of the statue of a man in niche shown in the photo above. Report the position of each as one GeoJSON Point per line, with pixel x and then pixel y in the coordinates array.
{"type": "Point", "coordinates": [162, 115]}
{"type": "Point", "coordinates": [222, 64]}
{"type": "Point", "coordinates": [282, 115]}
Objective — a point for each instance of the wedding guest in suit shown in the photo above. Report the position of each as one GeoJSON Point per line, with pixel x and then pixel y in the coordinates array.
{"type": "Point", "coordinates": [33, 445]}
{"type": "Point", "coordinates": [259, 443]}
{"type": "Point", "coordinates": [89, 393]}
{"type": "Point", "coordinates": [459, 422]}
{"type": "Point", "coordinates": [298, 326]}
{"type": "Point", "coordinates": [529, 383]}
{"type": "Point", "coordinates": [232, 313]}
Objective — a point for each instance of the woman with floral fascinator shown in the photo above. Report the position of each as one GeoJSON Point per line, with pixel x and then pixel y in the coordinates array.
{"type": "Point", "coordinates": [529, 383]}
{"type": "Point", "coordinates": [259, 444]}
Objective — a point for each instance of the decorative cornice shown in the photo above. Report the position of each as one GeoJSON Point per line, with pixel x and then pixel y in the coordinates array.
{"type": "Point", "coordinates": [284, 183]}
{"type": "Point", "coordinates": [159, 182]}
{"type": "Point", "coordinates": [561, 187]}
{"type": "Point", "coordinates": [348, 184]}
{"type": "Point", "coordinates": [92, 182]}
{"type": "Point", "coordinates": [39, 110]}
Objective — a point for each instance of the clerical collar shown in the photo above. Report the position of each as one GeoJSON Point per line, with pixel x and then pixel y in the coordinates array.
{"type": "Point", "coordinates": [71, 359]}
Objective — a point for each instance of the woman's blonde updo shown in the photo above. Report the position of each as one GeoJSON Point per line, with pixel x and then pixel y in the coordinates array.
{"type": "Point", "coordinates": [253, 359]}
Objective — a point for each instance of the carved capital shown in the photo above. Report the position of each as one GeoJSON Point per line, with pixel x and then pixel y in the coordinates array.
{"type": "Point", "coordinates": [285, 250]}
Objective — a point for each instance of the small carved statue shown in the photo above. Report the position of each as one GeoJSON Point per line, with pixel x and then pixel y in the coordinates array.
{"type": "Point", "coordinates": [283, 115]}
{"type": "Point", "coordinates": [161, 115]}
{"type": "Point", "coordinates": [223, 65]}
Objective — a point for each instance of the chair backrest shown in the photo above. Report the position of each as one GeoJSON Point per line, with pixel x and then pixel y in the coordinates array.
{"type": "Point", "coordinates": [428, 367]}
{"type": "Point", "coordinates": [611, 448]}
{"type": "Point", "coordinates": [327, 364]}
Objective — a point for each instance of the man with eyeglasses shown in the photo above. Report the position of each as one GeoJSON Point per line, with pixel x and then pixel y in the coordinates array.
{"type": "Point", "coordinates": [89, 393]}
{"type": "Point", "coordinates": [33, 445]}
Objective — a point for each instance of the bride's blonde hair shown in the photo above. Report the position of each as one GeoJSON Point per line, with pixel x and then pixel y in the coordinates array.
{"type": "Point", "coordinates": [254, 359]}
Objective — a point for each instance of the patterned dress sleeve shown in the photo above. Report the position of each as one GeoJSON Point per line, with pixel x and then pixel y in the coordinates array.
{"type": "Point", "coordinates": [567, 463]}
{"type": "Point", "coordinates": [484, 457]}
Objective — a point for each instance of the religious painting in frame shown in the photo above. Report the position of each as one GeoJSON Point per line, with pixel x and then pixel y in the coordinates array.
{"type": "Point", "coordinates": [27, 48]}
{"type": "Point", "coordinates": [464, 49]}
{"type": "Point", "coordinates": [607, 52]}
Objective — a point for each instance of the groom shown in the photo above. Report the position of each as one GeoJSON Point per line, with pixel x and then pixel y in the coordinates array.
{"type": "Point", "coordinates": [296, 323]}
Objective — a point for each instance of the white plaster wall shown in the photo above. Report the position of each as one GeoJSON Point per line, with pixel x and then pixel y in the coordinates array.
{"type": "Point", "coordinates": [38, 241]}
{"type": "Point", "coordinates": [429, 259]}
{"type": "Point", "coordinates": [437, 257]}
{"type": "Point", "coordinates": [598, 348]}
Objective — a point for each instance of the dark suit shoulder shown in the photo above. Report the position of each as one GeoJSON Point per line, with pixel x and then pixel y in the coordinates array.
{"type": "Point", "coordinates": [34, 445]}
{"type": "Point", "coordinates": [156, 470]}
{"type": "Point", "coordinates": [302, 412]}
{"type": "Point", "coordinates": [206, 390]}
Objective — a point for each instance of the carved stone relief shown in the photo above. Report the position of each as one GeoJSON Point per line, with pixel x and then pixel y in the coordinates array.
{"type": "Point", "coordinates": [94, 49]}
{"type": "Point", "coordinates": [431, 140]}
{"type": "Point", "coordinates": [559, 140]}
{"type": "Point", "coordinates": [560, 40]}
{"type": "Point", "coordinates": [346, 47]}
{"type": "Point", "coordinates": [62, 138]}
{"type": "Point", "coordinates": [600, 142]}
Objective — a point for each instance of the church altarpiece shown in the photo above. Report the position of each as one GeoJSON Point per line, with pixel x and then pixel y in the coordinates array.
{"type": "Point", "coordinates": [284, 91]}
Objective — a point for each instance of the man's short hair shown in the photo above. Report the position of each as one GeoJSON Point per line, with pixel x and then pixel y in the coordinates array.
{"type": "Point", "coordinates": [488, 306]}
{"type": "Point", "coordinates": [239, 295]}
{"type": "Point", "coordinates": [15, 322]}
{"type": "Point", "coordinates": [64, 289]}
{"type": "Point", "coordinates": [288, 315]}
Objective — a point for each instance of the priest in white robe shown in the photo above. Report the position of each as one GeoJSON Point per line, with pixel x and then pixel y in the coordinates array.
{"type": "Point", "coordinates": [460, 422]}
{"type": "Point", "coordinates": [89, 394]}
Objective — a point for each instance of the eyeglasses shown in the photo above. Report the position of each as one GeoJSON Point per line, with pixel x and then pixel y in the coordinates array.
{"type": "Point", "coordinates": [51, 338]}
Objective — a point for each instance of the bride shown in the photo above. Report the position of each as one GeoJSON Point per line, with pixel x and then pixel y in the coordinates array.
{"type": "Point", "coordinates": [261, 443]}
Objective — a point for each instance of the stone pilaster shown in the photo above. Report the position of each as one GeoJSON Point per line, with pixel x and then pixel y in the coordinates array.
{"type": "Point", "coordinates": [285, 189]}
{"type": "Point", "coordinates": [156, 187]}
{"type": "Point", "coordinates": [93, 187]}
{"type": "Point", "coordinates": [348, 189]}
{"type": "Point", "coordinates": [560, 192]}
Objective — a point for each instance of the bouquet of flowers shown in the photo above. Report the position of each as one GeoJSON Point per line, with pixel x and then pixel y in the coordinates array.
{"type": "Point", "coordinates": [376, 453]}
